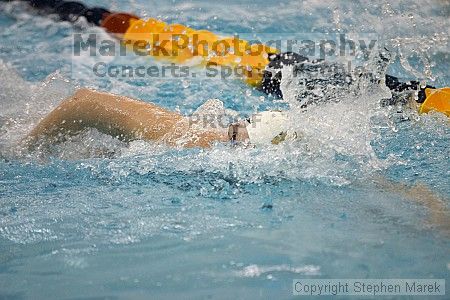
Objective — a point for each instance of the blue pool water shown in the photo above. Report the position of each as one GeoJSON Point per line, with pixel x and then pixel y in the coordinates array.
{"type": "Point", "coordinates": [95, 218]}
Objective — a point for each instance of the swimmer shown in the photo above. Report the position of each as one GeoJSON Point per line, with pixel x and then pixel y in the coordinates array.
{"type": "Point", "coordinates": [129, 119]}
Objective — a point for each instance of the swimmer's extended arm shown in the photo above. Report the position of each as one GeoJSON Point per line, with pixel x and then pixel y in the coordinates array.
{"type": "Point", "coordinates": [118, 116]}
{"type": "Point", "coordinates": [439, 215]}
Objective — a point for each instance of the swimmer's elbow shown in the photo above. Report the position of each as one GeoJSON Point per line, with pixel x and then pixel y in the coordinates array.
{"type": "Point", "coordinates": [83, 99]}
{"type": "Point", "coordinates": [83, 93]}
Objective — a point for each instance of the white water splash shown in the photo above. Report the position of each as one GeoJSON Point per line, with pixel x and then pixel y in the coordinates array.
{"type": "Point", "coordinates": [256, 271]}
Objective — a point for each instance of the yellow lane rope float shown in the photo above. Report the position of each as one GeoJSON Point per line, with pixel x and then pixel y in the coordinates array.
{"type": "Point", "coordinates": [436, 100]}
{"type": "Point", "coordinates": [182, 44]}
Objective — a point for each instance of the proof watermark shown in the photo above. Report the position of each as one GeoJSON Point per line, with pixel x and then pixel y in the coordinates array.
{"type": "Point", "coordinates": [202, 54]}
{"type": "Point", "coordinates": [218, 121]}
{"type": "Point", "coordinates": [368, 287]}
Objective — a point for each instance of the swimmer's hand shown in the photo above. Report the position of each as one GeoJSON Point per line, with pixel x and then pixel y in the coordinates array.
{"type": "Point", "coordinates": [439, 215]}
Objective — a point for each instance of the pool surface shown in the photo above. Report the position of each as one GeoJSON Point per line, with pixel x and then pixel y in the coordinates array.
{"type": "Point", "coordinates": [94, 218]}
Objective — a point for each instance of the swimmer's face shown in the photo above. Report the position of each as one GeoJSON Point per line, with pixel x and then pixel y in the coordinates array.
{"type": "Point", "coordinates": [239, 130]}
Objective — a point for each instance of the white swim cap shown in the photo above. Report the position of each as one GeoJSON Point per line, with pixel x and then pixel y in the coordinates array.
{"type": "Point", "coordinates": [269, 127]}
